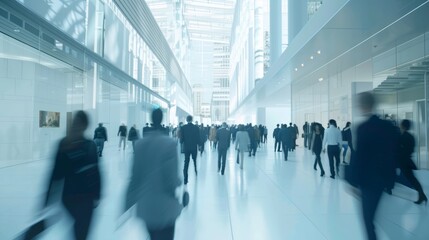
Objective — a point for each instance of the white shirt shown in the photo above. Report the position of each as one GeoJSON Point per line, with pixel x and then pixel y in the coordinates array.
{"type": "Point", "coordinates": [332, 136]}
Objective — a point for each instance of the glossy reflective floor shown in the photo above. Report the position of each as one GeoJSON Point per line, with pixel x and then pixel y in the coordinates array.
{"type": "Point", "coordinates": [270, 199]}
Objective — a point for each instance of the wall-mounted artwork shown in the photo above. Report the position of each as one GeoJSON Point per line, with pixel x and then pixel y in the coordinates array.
{"type": "Point", "coordinates": [49, 119]}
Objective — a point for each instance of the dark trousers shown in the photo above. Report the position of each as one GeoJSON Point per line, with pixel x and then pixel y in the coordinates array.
{"type": "Point", "coordinates": [285, 150]}
{"type": "Point", "coordinates": [370, 199]}
{"type": "Point", "coordinates": [188, 154]}
{"type": "Point", "coordinates": [253, 147]}
{"type": "Point", "coordinates": [99, 142]}
{"type": "Point", "coordinates": [334, 152]}
{"type": "Point", "coordinates": [277, 145]}
{"type": "Point", "coordinates": [318, 161]}
{"type": "Point", "coordinates": [409, 175]}
{"type": "Point", "coordinates": [162, 234]}
{"type": "Point", "coordinates": [81, 212]}
{"type": "Point", "coordinates": [221, 160]}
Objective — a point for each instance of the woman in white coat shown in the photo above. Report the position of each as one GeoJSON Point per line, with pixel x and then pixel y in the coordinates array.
{"type": "Point", "coordinates": [242, 143]}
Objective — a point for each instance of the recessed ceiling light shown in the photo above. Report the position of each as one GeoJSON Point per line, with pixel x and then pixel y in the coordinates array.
{"type": "Point", "coordinates": [17, 30]}
{"type": "Point", "coordinates": [302, 64]}
{"type": "Point", "coordinates": [320, 79]}
{"type": "Point", "coordinates": [296, 69]}
{"type": "Point", "coordinates": [319, 52]}
{"type": "Point", "coordinates": [311, 57]}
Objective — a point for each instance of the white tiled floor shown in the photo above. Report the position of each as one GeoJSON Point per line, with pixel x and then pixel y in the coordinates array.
{"type": "Point", "coordinates": [269, 200]}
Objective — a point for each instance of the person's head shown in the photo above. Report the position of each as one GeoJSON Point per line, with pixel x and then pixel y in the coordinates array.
{"type": "Point", "coordinates": [100, 124]}
{"type": "Point", "coordinates": [405, 125]}
{"type": "Point", "coordinates": [224, 125]}
{"type": "Point", "coordinates": [157, 117]}
{"type": "Point", "coordinates": [332, 123]}
{"type": "Point", "coordinates": [348, 124]}
{"type": "Point", "coordinates": [278, 125]}
{"type": "Point", "coordinates": [80, 122]}
{"type": "Point", "coordinates": [317, 127]}
{"type": "Point", "coordinates": [366, 102]}
{"type": "Point", "coordinates": [189, 119]}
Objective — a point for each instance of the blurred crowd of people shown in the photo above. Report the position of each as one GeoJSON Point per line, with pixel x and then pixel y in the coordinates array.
{"type": "Point", "coordinates": [370, 161]}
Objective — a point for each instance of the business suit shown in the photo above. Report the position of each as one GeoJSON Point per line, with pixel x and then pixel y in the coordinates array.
{"type": "Point", "coordinates": [285, 139]}
{"type": "Point", "coordinates": [190, 138]}
{"type": "Point", "coordinates": [377, 144]}
{"type": "Point", "coordinates": [223, 138]}
{"type": "Point", "coordinates": [153, 184]}
{"type": "Point", "coordinates": [276, 136]}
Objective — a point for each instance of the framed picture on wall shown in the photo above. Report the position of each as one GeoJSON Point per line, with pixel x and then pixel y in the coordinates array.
{"type": "Point", "coordinates": [49, 119]}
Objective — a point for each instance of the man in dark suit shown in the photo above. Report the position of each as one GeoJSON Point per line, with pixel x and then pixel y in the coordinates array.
{"type": "Point", "coordinates": [374, 166]}
{"type": "Point", "coordinates": [223, 138]}
{"type": "Point", "coordinates": [284, 138]}
{"type": "Point", "coordinates": [190, 138]}
{"type": "Point", "coordinates": [276, 137]}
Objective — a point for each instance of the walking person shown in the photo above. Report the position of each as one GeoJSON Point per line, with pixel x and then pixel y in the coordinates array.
{"type": "Point", "coordinates": [223, 138]}
{"type": "Point", "coordinates": [406, 164]}
{"type": "Point", "coordinates": [76, 168]}
{"type": "Point", "coordinates": [373, 169]}
{"type": "Point", "coordinates": [203, 138]}
{"type": "Point", "coordinates": [276, 137]}
{"type": "Point", "coordinates": [122, 133]}
{"type": "Point", "coordinates": [332, 138]}
{"type": "Point", "coordinates": [242, 144]}
{"type": "Point", "coordinates": [212, 136]}
{"type": "Point", "coordinates": [154, 181]}
{"type": "Point", "coordinates": [265, 134]}
{"type": "Point", "coordinates": [100, 136]}
{"type": "Point", "coordinates": [316, 144]}
{"type": "Point", "coordinates": [190, 138]}
{"type": "Point", "coordinates": [133, 136]}
{"type": "Point", "coordinates": [285, 139]}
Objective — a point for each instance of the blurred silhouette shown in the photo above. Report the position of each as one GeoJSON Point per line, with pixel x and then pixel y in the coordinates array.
{"type": "Point", "coordinates": [154, 181]}
{"type": "Point", "coordinates": [373, 168]}
{"type": "Point", "coordinates": [223, 137]}
{"type": "Point", "coordinates": [407, 145]}
{"type": "Point", "coordinates": [133, 135]}
{"type": "Point", "coordinates": [76, 172]}
{"type": "Point", "coordinates": [316, 147]}
{"type": "Point", "coordinates": [190, 138]}
{"type": "Point", "coordinates": [122, 133]}
{"type": "Point", "coordinates": [242, 144]}
{"type": "Point", "coordinates": [100, 136]}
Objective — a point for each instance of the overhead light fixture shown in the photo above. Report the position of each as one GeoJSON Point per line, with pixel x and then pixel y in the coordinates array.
{"type": "Point", "coordinates": [302, 64]}
{"type": "Point", "coordinates": [17, 30]}
{"type": "Point", "coordinates": [320, 79]}
{"type": "Point", "coordinates": [311, 57]}
{"type": "Point", "coordinates": [296, 69]}
{"type": "Point", "coordinates": [319, 52]}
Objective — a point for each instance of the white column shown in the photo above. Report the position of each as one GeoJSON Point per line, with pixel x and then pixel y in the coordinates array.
{"type": "Point", "coordinates": [259, 40]}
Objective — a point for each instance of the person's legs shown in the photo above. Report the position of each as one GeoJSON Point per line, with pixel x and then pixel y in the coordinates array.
{"type": "Point", "coordinates": [162, 234]}
{"type": "Point", "coordinates": [319, 162]}
{"type": "Point", "coordinates": [101, 147]}
{"type": "Point", "coordinates": [285, 151]}
{"type": "Point", "coordinates": [223, 155]}
{"type": "Point", "coordinates": [186, 166]}
{"type": "Point", "coordinates": [331, 152]}
{"type": "Point", "coordinates": [370, 200]}
{"type": "Point", "coordinates": [81, 212]}
{"type": "Point", "coordinates": [194, 158]}
{"type": "Point", "coordinates": [408, 173]}
{"type": "Point", "coordinates": [337, 158]}
{"type": "Point", "coordinates": [219, 157]}
{"type": "Point", "coordinates": [241, 159]}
